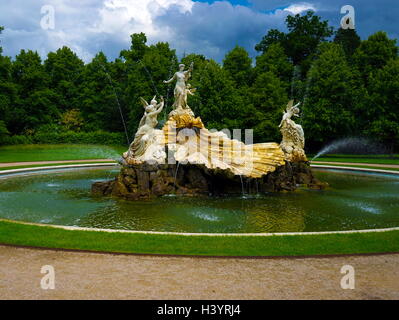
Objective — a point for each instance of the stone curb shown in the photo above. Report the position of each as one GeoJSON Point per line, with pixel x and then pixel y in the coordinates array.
{"type": "Point", "coordinates": [355, 169]}
{"type": "Point", "coordinates": [75, 228]}
{"type": "Point", "coordinates": [11, 171]}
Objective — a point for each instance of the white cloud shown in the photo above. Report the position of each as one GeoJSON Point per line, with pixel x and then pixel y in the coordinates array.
{"type": "Point", "coordinates": [127, 16]}
{"type": "Point", "coordinates": [300, 7]}
{"type": "Point", "coordinates": [88, 26]}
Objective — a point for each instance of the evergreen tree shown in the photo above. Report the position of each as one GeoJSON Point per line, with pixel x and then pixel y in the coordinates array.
{"type": "Point", "coordinates": [219, 99]}
{"type": "Point", "coordinates": [36, 101]}
{"type": "Point", "coordinates": [382, 110]}
{"type": "Point", "coordinates": [1, 30]}
{"type": "Point", "coordinates": [99, 103]}
{"type": "Point", "coordinates": [65, 72]}
{"type": "Point", "coordinates": [238, 64]}
{"type": "Point", "coordinates": [374, 53]}
{"type": "Point", "coordinates": [9, 99]}
{"type": "Point", "coordinates": [273, 36]}
{"type": "Point", "coordinates": [305, 33]}
{"type": "Point", "coordinates": [328, 110]}
{"type": "Point", "coordinates": [276, 61]}
{"type": "Point", "coordinates": [348, 39]}
{"type": "Point", "coordinates": [269, 97]}
{"type": "Point", "coordinates": [138, 47]}
{"type": "Point", "coordinates": [8, 96]}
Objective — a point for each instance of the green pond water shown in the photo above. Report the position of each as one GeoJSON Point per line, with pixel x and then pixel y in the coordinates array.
{"type": "Point", "coordinates": [353, 201]}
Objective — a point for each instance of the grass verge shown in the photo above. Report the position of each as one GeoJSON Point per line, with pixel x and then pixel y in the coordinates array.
{"type": "Point", "coordinates": [376, 159]}
{"type": "Point", "coordinates": [56, 152]}
{"type": "Point", "coordinates": [356, 166]}
{"type": "Point", "coordinates": [15, 233]}
{"type": "Point", "coordinates": [51, 164]}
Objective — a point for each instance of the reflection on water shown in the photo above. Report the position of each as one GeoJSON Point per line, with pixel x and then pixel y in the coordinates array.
{"type": "Point", "coordinates": [354, 201]}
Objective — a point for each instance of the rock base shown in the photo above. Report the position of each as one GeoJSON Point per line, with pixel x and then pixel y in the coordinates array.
{"type": "Point", "coordinates": [146, 180]}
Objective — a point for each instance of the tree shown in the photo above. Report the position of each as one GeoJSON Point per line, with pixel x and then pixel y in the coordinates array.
{"type": "Point", "coordinates": [9, 98]}
{"type": "Point", "coordinates": [3, 132]}
{"type": "Point", "coordinates": [238, 64]}
{"type": "Point", "coordinates": [276, 61]}
{"type": "Point", "coordinates": [1, 30]}
{"type": "Point", "coordinates": [36, 102]}
{"type": "Point", "coordinates": [272, 37]}
{"type": "Point", "coordinates": [269, 96]}
{"type": "Point", "coordinates": [374, 53]}
{"type": "Point", "coordinates": [305, 33]}
{"type": "Point", "coordinates": [99, 103]}
{"type": "Point", "coordinates": [328, 111]}
{"type": "Point", "coordinates": [138, 47]}
{"type": "Point", "coordinates": [382, 108]}
{"type": "Point", "coordinates": [348, 39]}
{"type": "Point", "coordinates": [65, 72]}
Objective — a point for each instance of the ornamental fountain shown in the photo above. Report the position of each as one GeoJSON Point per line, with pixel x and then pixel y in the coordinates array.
{"type": "Point", "coordinates": [185, 158]}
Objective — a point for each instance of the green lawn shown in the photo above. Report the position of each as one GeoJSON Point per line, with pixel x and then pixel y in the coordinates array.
{"type": "Point", "coordinates": [49, 165]}
{"type": "Point", "coordinates": [377, 159]}
{"type": "Point", "coordinates": [360, 166]}
{"type": "Point", "coordinates": [49, 152]}
{"type": "Point", "coordinates": [290, 245]}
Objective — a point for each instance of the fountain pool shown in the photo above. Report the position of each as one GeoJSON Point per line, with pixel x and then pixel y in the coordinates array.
{"type": "Point", "coordinates": [354, 201]}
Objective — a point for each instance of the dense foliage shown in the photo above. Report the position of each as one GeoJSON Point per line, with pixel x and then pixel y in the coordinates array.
{"type": "Point", "coordinates": [348, 87]}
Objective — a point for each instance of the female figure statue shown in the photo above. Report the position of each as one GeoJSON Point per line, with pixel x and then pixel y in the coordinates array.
{"type": "Point", "coordinates": [181, 78]}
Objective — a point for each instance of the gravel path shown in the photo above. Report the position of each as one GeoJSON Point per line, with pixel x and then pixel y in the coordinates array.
{"type": "Point", "coordinates": [82, 275]}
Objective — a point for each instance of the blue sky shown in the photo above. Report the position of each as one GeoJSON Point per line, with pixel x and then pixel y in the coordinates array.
{"type": "Point", "coordinates": [209, 27]}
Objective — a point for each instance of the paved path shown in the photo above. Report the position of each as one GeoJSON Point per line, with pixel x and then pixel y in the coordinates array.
{"type": "Point", "coordinates": [379, 165]}
{"type": "Point", "coordinates": [29, 163]}
{"type": "Point", "coordinates": [81, 275]}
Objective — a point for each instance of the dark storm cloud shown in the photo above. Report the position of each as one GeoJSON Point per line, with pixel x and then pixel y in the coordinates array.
{"type": "Point", "coordinates": [213, 29]}
{"type": "Point", "coordinates": [370, 15]}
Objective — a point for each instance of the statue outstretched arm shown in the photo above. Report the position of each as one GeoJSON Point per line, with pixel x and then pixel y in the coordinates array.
{"type": "Point", "coordinates": [159, 106]}
{"type": "Point", "coordinates": [171, 79]}
{"type": "Point", "coordinates": [187, 73]}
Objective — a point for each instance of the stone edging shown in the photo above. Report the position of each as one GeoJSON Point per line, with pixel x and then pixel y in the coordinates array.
{"type": "Point", "coordinates": [74, 228]}
{"type": "Point", "coordinates": [102, 164]}
{"type": "Point", "coordinates": [355, 169]}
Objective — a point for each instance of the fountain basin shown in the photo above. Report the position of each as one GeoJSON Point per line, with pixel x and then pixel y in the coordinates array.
{"type": "Point", "coordinates": [355, 201]}
{"type": "Point", "coordinates": [148, 180]}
